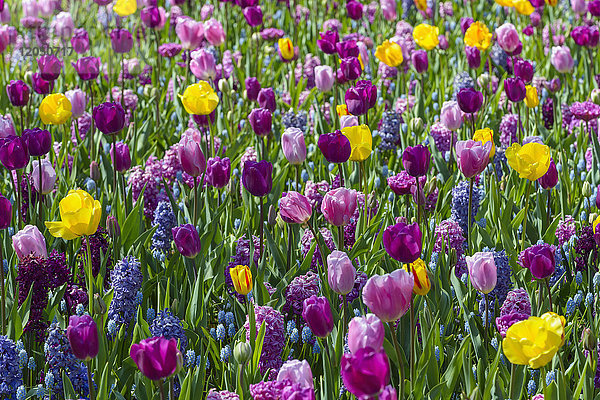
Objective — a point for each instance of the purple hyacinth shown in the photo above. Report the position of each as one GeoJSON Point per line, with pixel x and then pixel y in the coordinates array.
{"type": "Point", "coordinates": [548, 113]}
{"type": "Point", "coordinates": [315, 192]}
{"type": "Point", "coordinates": [585, 111]}
{"type": "Point", "coordinates": [356, 292]}
{"type": "Point", "coordinates": [307, 241]}
{"type": "Point", "coordinates": [509, 126]}
{"type": "Point", "coordinates": [350, 229]}
{"type": "Point", "coordinates": [268, 390]}
{"type": "Point", "coordinates": [274, 339]}
{"type": "Point", "coordinates": [460, 204]}
{"type": "Point", "coordinates": [449, 234]}
{"type": "Point", "coordinates": [11, 376]}
{"type": "Point", "coordinates": [222, 395]}
{"type": "Point", "coordinates": [565, 230]}
{"type": "Point", "coordinates": [99, 248]}
{"type": "Point", "coordinates": [585, 248]}
{"type": "Point", "coordinates": [300, 289]}
{"type": "Point", "coordinates": [516, 307]}
{"type": "Point", "coordinates": [441, 136]}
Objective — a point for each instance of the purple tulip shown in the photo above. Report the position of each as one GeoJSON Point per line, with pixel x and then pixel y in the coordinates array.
{"type": "Point", "coordinates": [594, 8]}
{"type": "Point", "coordinates": [48, 176]}
{"type": "Point", "coordinates": [190, 33]}
{"type": "Point", "coordinates": [121, 158]}
{"type": "Point", "coordinates": [365, 373]}
{"type": "Point", "coordinates": [598, 197]}
{"type": "Point", "coordinates": [153, 17]}
{"type": "Point", "coordinates": [18, 93]}
{"type": "Point", "coordinates": [266, 99]}
{"type": "Point", "coordinates": [482, 271]}
{"type": "Point", "coordinates": [293, 145]}
{"type": "Point", "coordinates": [252, 88]}
{"type": "Point", "coordinates": [355, 10]}
{"type": "Point", "coordinates": [5, 212]}
{"type": "Point", "coordinates": [253, 15]}
{"type": "Point", "coordinates": [38, 141]}
{"type": "Point", "coordinates": [465, 23]}
{"type": "Point", "coordinates": [7, 127]}
{"type": "Point", "coordinates": [472, 156]}
{"type": "Point", "coordinates": [13, 152]}
{"type": "Point", "coordinates": [156, 357]}
{"type": "Point", "coordinates": [420, 61]}
{"type": "Point", "coordinates": [187, 240]}
{"type": "Point", "coordinates": [514, 89]}
{"type": "Point", "coordinates": [218, 171]}
{"type": "Point", "coordinates": [121, 40]}
{"type": "Point", "coordinates": [82, 333]}
{"type": "Point", "coordinates": [109, 118]}
{"type": "Point", "coordinates": [49, 66]}
{"type": "Point", "coordinates": [350, 67]}
{"type": "Point", "coordinates": [80, 41]}
{"type": "Point", "coordinates": [416, 160]}
{"type": "Point", "coordinates": [29, 241]}
{"type": "Point", "coordinates": [190, 153]}
{"type": "Point", "coordinates": [523, 69]}
{"type": "Point", "coordinates": [550, 178]}
{"type": "Point", "coordinates": [328, 42]}
{"type": "Point", "coordinates": [469, 100]}
{"type": "Point", "coordinates": [87, 68]}
{"type": "Point", "coordinates": [581, 35]}
{"type": "Point", "coordinates": [339, 205]}
{"type": "Point", "coordinates": [260, 121]}
{"type": "Point", "coordinates": [540, 260]}
{"type": "Point", "coordinates": [324, 78]}
{"type": "Point", "coordinates": [403, 242]}
{"type": "Point", "coordinates": [316, 312]}
{"type": "Point", "coordinates": [41, 86]}
{"type": "Point", "coordinates": [340, 272]}
{"type": "Point", "coordinates": [257, 177]}
{"type": "Point", "coordinates": [367, 331]}
{"type": "Point", "coordinates": [335, 147]}
{"type": "Point", "coordinates": [347, 48]}
{"type": "Point", "coordinates": [295, 208]}
{"type": "Point", "coordinates": [473, 57]}
{"type": "Point", "coordinates": [356, 101]}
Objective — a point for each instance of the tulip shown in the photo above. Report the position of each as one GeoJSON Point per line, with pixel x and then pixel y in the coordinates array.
{"type": "Point", "coordinates": [361, 142]}
{"type": "Point", "coordinates": [82, 333]}
{"type": "Point", "coordinates": [218, 171]}
{"type": "Point", "coordinates": [87, 68]}
{"type": "Point", "coordinates": [324, 78]}
{"type": "Point", "coordinates": [350, 67]}
{"type": "Point", "coordinates": [388, 296]}
{"type": "Point", "coordinates": [55, 109]}
{"type": "Point", "coordinates": [242, 279]}
{"type": "Point", "coordinates": [531, 161]}
{"type": "Point", "coordinates": [124, 8]}
{"type": "Point", "coordinates": [293, 145]}
{"type": "Point", "coordinates": [29, 241]}
{"type": "Point", "coordinates": [80, 41]}
{"type": "Point", "coordinates": [478, 35]}
{"type": "Point", "coordinates": [469, 100]}
{"type": "Point", "coordinates": [472, 156]}
{"type": "Point", "coordinates": [5, 212]}
{"type": "Point", "coordinates": [403, 242]}
{"type": "Point", "coordinates": [347, 48]}
{"type": "Point", "coordinates": [186, 240]}
{"type": "Point", "coordinates": [416, 160]}
{"type": "Point", "coordinates": [316, 312]}
{"type": "Point", "coordinates": [38, 141]}
{"type": "Point", "coordinates": [420, 277]}
{"type": "Point", "coordinates": [78, 100]}
{"type": "Point", "coordinates": [420, 61]}
{"type": "Point", "coordinates": [597, 195]}
{"type": "Point", "coordinates": [523, 7]}
{"type": "Point", "coordinates": [514, 89]}
{"type": "Point", "coordinates": [260, 120]}
{"type": "Point", "coordinates": [561, 59]}
{"type": "Point", "coordinates": [49, 66]}
{"type": "Point", "coordinates": [523, 69]}
{"type": "Point", "coordinates": [190, 153]}
{"type": "Point", "coordinates": [482, 271]}
{"type": "Point", "coordinates": [266, 99]}
{"type": "Point", "coordinates": [190, 33]}
{"type": "Point", "coordinates": [596, 230]}
{"type": "Point", "coordinates": [7, 127]}
{"type": "Point", "coordinates": [473, 57]}
{"type": "Point", "coordinates": [18, 93]}
{"type": "Point", "coordinates": [508, 37]}
{"type": "Point", "coordinates": [594, 7]}
{"type": "Point", "coordinates": [485, 135]}
{"type": "Point", "coordinates": [199, 99]}
{"type": "Point", "coordinates": [253, 16]}
{"type": "Point", "coordinates": [340, 272]}
{"type": "Point", "coordinates": [41, 86]}
{"type": "Point", "coordinates": [203, 65]}
{"type": "Point", "coordinates": [153, 17]}
{"type": "Point", "coordinates": [121, 158]}
{"type": "Point", "coordinates": [257, 177]}
{"type": "Point", "coordinates": [550, 178]}
{"type": "Point", "coordinates": [13, 152]}
{"type": "Point", "coordinates": [540, 260]}
{"type": "Point", "coordinates": [297, 372]}
{"type": "Point", "coordinates": [286, 49]}
{"type": "Point", "coordinates": [426, 36]}
{"type": "Point", "coordinates": [365, 332]}
{"type": "Point", "coordinates": [365, 373]}
{"type": "Point", "coordinates": [109, 118]}
{"type": "Point", "coordinates": [214, 33]}
{"type": "Point", "coordinates": [252, 88]}
{"type": "Point", "coordinates": [347, 121]}
{"type": "Point", "coordinates": [389, 53]}
{"type": "Point", "coordinates": [339, 205]}
{"type": "Point", "coordinates": [355, 10]}
{"type": "Point", "coordinates": [335, 147]}
{"type": "Point", "coordinates": [356, 101]}
{"type": "Point", "coordinates": [156, 357]}
{"type": "Point", "coordinates": [80, 215]}
{"type": "Point", "coordinates": [295, 208]}
{"type": "Point", "coordinates": [328, 42]}
{"type": "Point", "coordinates": [121, 40]}
{"type": "Point", "coordinates": [451, 116]}
{"type": "Point", "coordinates": [63, 25]}
{"type": "Point", "coordinates": [48, 176]}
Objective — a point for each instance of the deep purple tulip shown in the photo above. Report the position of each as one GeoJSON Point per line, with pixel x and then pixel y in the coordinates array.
{"type": "Point", "coordinates": [266, 99]}
{"type": "Point", "coordinates": [365, 373]}
{"type": "Point", "coordinates": [121, 158]}
{"type": "Point", "coordinates": [540, 260]}
{"type": "Point", "coordinates": [473, 57]}
{"type": "Point", "coordinates": [356, 101]}
{"type": "Point", "coordinates": [523, 69]}
{"type": "Point", "coordinates": [5, 212]}
{"type": "Point", "coordinates": [187, 240]}
{"type": "Point", "coordinates": [260, 120]}
{"type": "Point", "coordinates": [246, 3]}
{"type": "Point", "coordinates": [350, 67]}
{"type": "Point", "coordinates": [202, 120]}
{"type": "Point", "coordinates": [347, 48]}
{"type": "Point", "coordinates": [82, 333]}
{"type": "Point", "coordinates": [550, 178]}
{"type": "Point", "coordinates": [316, 312]}
{"type": "Point", "coordinates": [156, 357]}
{"type": "Point", "coordinates": [18, 93]}
{"type": "Point", "coordinates": [355, 9]}
{"type": "Point", "coordinates": [253, 15]}
{"type": "Point", "coordinates": [335, 147]}
{"type": "Point", "coordinates": [121, 40]}
{"type": "Point", "coordinates": [252, 88]}
{"type": "Point", "coordinates": [465, 23]}
{"type": "Point", "coordinates": [87, 68]}
{"type": "Point", "coordinates": [328, 41]}
{"type": "Point", "coordinates": [80, 41]}
{"type": "Point", "coordinates": [49, 66]}
{"type": "Point", "coordinates": [257, 177]}
{"type": "Point", "coordinates": [594, 8]}
{"type": "Point", "coordinates": [40, 85]}
{"type": "Point", "coordinates": [13, 152]}
{"type": "Point", "coordinates": [514, 89]}
{"type": "Point", "coordinates": [38, 141]}
{"type": "Point", "coordinates": [581, 35]}
{"type": "Point", "coordinates": [403, 242]}
{"type": "Point", "coordinates": [218, 171]}
{"type": "Point", "coordinates": [469, 100]}
{"type": "Point", "coordinates": [109, 118]}
{"type": "Point", "coordinates": [153, 17]}
{"type": "Point", "coordinates": [416, 160]}
{"type": "Point", "coordinates": [598, 197]}
{"type": "Point", "coordinates": [420, 61]}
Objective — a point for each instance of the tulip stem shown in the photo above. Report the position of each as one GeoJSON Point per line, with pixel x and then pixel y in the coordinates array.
{"type": "Point", "coordinates": [547, 280]}
{"type": "Point", "coordinates": [525, 216]}
{"type": "Point", "coordinates": [548, 214]}
{"type": "Point", "coordinates": [196, 199]}
{"type": "Point", "coordinates": [289, 247]}
{"type": "Point", "coordinates": [260, 230]}
{"type": "Point", "coordinates": [513, 378]}
{"type": "Point", "coordinates": [90, 275]}
{"type": "Point", "coordinates": [298, 184]}
{"type": "Point", "coordinates": [91, 132]}
{"type": "Point", "coordinates": [40, 200]}
{"type": "Point", "coordinates": [2, 290]}
{"type": "Point", "coordinates": [114, 149]}
{"type": "Point", "coordinates": [412, 341]}
{"type": "Point", "coordinates": [399, 355]}
{"type": "Point", "coordinates": [485, 321]}
{"type": "Point", "coordinates": [470, 214]}
{"type": "Point", "coordinates": [341, 171]}
{"type": "Point", "coordinates": [90, 382]}
{"type": "Point", "coordinates": [211, 153]}
{"type": "Point", "coordinates": [340, 237]}
{"type": "Point", "coordinates": [171, 389]}
{"type": "Point", "coordinates": [161, 389]}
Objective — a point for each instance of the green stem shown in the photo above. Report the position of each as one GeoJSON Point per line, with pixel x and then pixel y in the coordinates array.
{"type": "Point", "coordinates": [399, 355]}
{"type": "Point", "coordinates": [470, 215]}
{"type": "Point", "coordinates": [525, 216]}
{"type": "Point", "coordinates": [89, 379]}
{"type": "Point", "coordinates": [90, 274]}
{"type": "Point", "coordinates": [161, 389]}
{"type": "Point", "coordinates": [547, 280]}
{"type": "Point", "coordinates": [2, 290]}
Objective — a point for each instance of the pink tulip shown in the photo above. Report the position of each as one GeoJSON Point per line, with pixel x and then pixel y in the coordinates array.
{"type": "Point", "coordinates": [190, 33]}
{"type": "Point", "coordinates": [29, 241]}
{"type": "Point", "coordinates": [482, 271]}
{"type": "Point", "coordinates": [561, 59]}
{"type": "Point", "coordinates": [63, 25]}
{"type": "Point", "coordinates": [340, 272]}
{"type": "Point", "coordinates": [347, 121]}
{"type": "Point", "coordinates": [388, 8]}
{"type": "Point", "coordinates": [190, 153]}
{"type": "Point", "coordinates": [203, 65]}
{"type": "Point", "coordinates": [293, 145]}
{"type": "Point", "coordinates": [367, 331]}
{"type": "Point", "coordinates": [508, 37]}
{"type": "Point", "coordinates": [388, 296]}
{"type": "Point", "coordinates": [451, 115]}
{"type": "Point", "coordinates": [78, 101]}
{"type": "Point", "coordinates": [48, 176]}
{"type": "Point", "coordinates": [297, 372]}
{"type": "Point", "coordinates": [472, 156]}
{"type": "Point", "coordinates": [339, 205]}
{"type": "Point", "coordinates": [295, 208]}
{"type": "Point", "coordinates": [156, 357]}
{"type": "Point", "coordinates": [214, 33]}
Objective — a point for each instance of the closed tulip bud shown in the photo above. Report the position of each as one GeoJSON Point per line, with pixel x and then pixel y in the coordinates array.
{"type": "Point", "coordinates": [187, 240]}
{"type": "Point", "coordinates": [469, 100]}
{"type": "Point", "coordinates": [354, 9]}
{"type": "Point", "coordinates": [350, 68]}
{"type": "Point", "coordinates": [298, 373]}
{"type": "Point", "coordinates": [50, 67]}
{"type": "Point", "coordinates": [508, 37]}
{"type": "Point", "coordinates": [514, 89]}
{"type": "Point", "coordinates": [335, 147]}
{"type": "Point", "coordinates": [121, 40]}
{"type": "Point", "coordinates": [365, 332]}
{"type": "Point", "coordinates": [420, 277]}
{"type": "Point", "coordinates": [295, 208]}
{"type": "Point", "coordinates": [340, 272]}
{"type": "Point", "coordinates": [109, 118]}
{"type": "Point", "coordinates": [523, 69]}
{"type": "Point", "coordinates": [13, 152]}
{"type": "Point", "coordinates": [416, 125]}
{"type": "Point", "coordinates": [286, 49]}
{"type": "Point", "coordinates": [156, 358]}
{"type": "Point", "coordinates": [388, 296]}
{"type": "Point", "coordinates": [223, 86]}
{"type": "Point", "coordinates": [120, 156]}
{"type": "Point", "coordinates": [7, 127]}
{"type": "Point", "coordinates": [78, 100]}
{"type": "Point", "coordinates": [88, 68]}
{"type": "Point", "coordinates": [587, 337]}
{"type": "Point", "coordinates": [5, 212]}
{"type": "Point", "coordinates": [18, 93]}
{"type": "Point", "coordinates": [82, 333]}
{"type": "Point", "coordinates": [29, 241]}
{"type": "Point", "coordinates": [550, 178]}
{"type": "Point", "coordinates": [257, 177]}
{"type": "Point", "coordinates": [261, 121]}
{"type": "Point", "coordinates": [531, 97]}
{"type": "Point", "coordinates": [403, 242]}
{"type": "Point", "coordinates": [99, 304]}
{"type": "Point", "coordinates": [190, 33]}
{"type": "Point", "coordinates": [242, 352]}
{"type": "Point", "coordinates": [473, 57]}
{"type": "Point", "coordinates": [253, 15]}
{"type": "Point", "coordinates": [339, 205]}
{"type": "Point", "coordinates": [80, 41]}
{"type": "Point", "coordinates": [114, 230]}
{"type": "Point", "coordinates": [389, 53]}
{"type": "Point", "coordinates": [38, 141]}
{"type": "Point", "coordinates": [416, 160]}
{"type": "Point", "coordinates": [472, 156]}
{"type": "Point", "coordinates": [324, 78]}
{"type": "Point", "coordinates": [48, 176]}
{"type": "Point", "coordinates": [586, 189]}
{"type": "Point", "coordinates": [420, 61]}
{"type": "Point", "coordinates": [190, 153]}
{"type": "Point", "coordinates": [272, 215]}
{"type": "Point", "coordinates": [241, 277]}
{"type": "Point", "coordinates": [252, 88]}
{"type": "Point", "coordinates": [316, 312]}
{"type": "Point", "coordinates": [94, 171]}
{"type": "Point", "coordinates": [482, 271]}
{"type": "Point", "coordinates": [218, 171]}
{"type": "Point", "coordinates": [214, 33]}
{"type": "Point", "coordinates": [41, 86]}
{"type": "Point", "coordinates": [266, 99]}
{"type": "Point", "coordinates": [451, 115]}
{"type": "Point", "coordinates": [153, 17]}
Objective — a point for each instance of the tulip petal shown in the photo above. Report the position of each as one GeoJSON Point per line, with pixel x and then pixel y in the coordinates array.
{"type": "Point", "coordinates": [59, 229]}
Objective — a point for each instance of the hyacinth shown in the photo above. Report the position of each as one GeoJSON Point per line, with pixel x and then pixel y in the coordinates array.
{"type": "Point", "coordinates": [585, 247]}
{"type": "Point", "coordinates": [460, 204]}
{"type": "Point", "coordinates": [268, 390]}
{"type": "Point", "coordinates": [504, 273]}
{"type": "Point", "coordinates": [169, 50]}
{"type": "Point", "coordinates": [60, 359]}
{"type": "Point", "coordinates": [499, 56]}
{"type": "Point", "coordinates": [389, 130]}
{"type": "Point", "coordinates": [74, 296]}
{"type": "Point", "coordinates": [294, 120]}
{"type": "Point", "coordinates": [500, 162]}
{"type": "Point", "coordinates": [462, 81]}
{"type": "Point", "coordinates": [99, 247]}
{"type": "Point", "coordinates": [241, 257]}
{"type": "Point", "coordinates": [10, 373]}
{"type": "Point", "coordinates": [589, 158]}
{"type": "Point", "coordinates": [441, 136]}
{"type": "Point", "coordinates": [300, 289]}
{"type": "Point", "coordinates": [548, 113]}
{"type": "Point", "coordinates": [164, 221]}
{"type": "Point", "coordinates": [585, 111]}
{"type": "Point", "coordinates": [126, 280]}
{"type": "Point", "coordinates": [169, 326]}
{"type": "Point", "coordinates": [82, 125]}
{"type": "Point", "coordinates": [307, 242]}
{"type": "Point", "coordinates": [315, 192]}
{"type": "Point", "coordinates": [44, 274]}
{"type": "Point", "coordinates": [567, 116]}
{"type": "Point", "coordinates": [565, 230]}
{"type": "Point", "coordinates": [356, 292]}
{"type": "Point", "coordinates": [274, 339]}
{"type": "Point", "coordinates": [350, 229]}
{"type": "Point", "coordinates": [509, 127]}
{"type": "Point", "coordinates": [516, 307]}
{"type": "Point", "coordinates": [449, 234]}
{"type": "Point", "coordinates": [307, 70]}
{"type": "Point", "coordinates": [29, 196]}
{"type": "Point", "coordinates": [222, 395]}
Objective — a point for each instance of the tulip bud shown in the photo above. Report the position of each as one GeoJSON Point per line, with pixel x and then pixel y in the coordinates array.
{"type": "Point", "coordinates": [586, 190]}
{"type": "Point", "coordinates": [242, 352]}
{"type": "Point", "coordinates": [94, 171]}
{"type": "Point", "coordinates": [113, 226]}
{"type": "Point", "coordinates": [223, 86]}
{"type": "Point", "coordinates": [592, 217]}
{"type": "Point", "coordinates": [416, 125]}
{"type": "Point", "coordinates": [588, 339]}
{"type": "Point", "coordinates": [174, 304]}
{"type": "Point", "coordinates": [29, 77]}
{"type": "Point", "coordinates": [272, 216]}
{"type": "Point", "coordinates": [147, 90]}
{"type": "Point", "coordinates": [99, 305]}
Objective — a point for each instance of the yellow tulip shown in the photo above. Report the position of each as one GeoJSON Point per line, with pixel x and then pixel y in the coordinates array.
{"type": "Point", "coordinates": [523, 7]}
{"type": "Point", "coordinates": [242, 279]}
{"type": "Point", "coordinates": [531, 97]}
{"type": "Point", "coordinates": [361, 141]}
{"type": "Point", "coordinates": [552, 3]}
{"type": "Point", "coordinates": [286, 48]}
{"type": "Point", "coordinates": [124, 8]}
{"type": "Point", "coordinates": [80, 215]}
{"type": "Point", "coordinates": [199, 99]}
{"type": "Point", "coordinates": [485, 135]}
{"type": "Point", "coordinates": [531, 161]}
{"type": "Point", "coordinates": [595, 224]}
{"type": "Point", "coordinates": [426, 36]}
{"type": "Point", "coordinates": [419, 272]}
{"type": "Point", "coordinates": [389, 53]}
{"type": "Point", "coordinates": [421, 4]}
{"type": "Point", "coordinates": [55, 109]}
{"type": "Point", "coordinates": [478, 35]}
{"type": "Point", "coordinates": [342, 110]}
{"type": "Point", "coordinates": [534, 341]}
{"type": "Point", "coordinates": [504, 3]}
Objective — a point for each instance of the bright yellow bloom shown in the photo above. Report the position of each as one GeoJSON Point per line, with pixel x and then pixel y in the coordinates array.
{"type": "Point", "coordinates": [478, 35]}
{"type": "Point", "coordinates": [286, 48]}
{"type": "Point", "coordinates": [80, 215]}
{"type": "Point", "coordinates": [523, 7]}
{"type": "Point", "coordinates": [361, 141]}
{"type": "Point", "coordinates": [531, 161]}
{"type": "Point", "coordinates": [389, 53]}
{"type": "Point", "coordinates": [531, 97]}
{"type": "Point", "coordinates": [242, 279]}
{"type": "Point", "coordinates": [419, 272]}
{"type": "Point", "coordinates": [426, 36]}
{"type": "Point", "coordinates": [123, 8]}
{"type": "Point", "coordinates": [504, 3]}
{"type": "Point", "coordinates": [485, 135]}
{"type": "Point", "coordinates": [552, 3]}
{"type": "Point", "coordinates": [342, 110]}
{"type": "Point", "coordinates": [199, 99]}
{"type": "Point", "coordinates": [421, 4]}
{"type": "Point", "coordinates": [596, 224]}
{"type": "Point", "coordinates": [55, 109]}
{"type": "Point", "coordinates": [534, 341]}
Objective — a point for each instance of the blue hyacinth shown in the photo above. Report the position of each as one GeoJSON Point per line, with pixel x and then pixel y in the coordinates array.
{"type": "Point", "coordinates": [460, 204]}
{"type": "Point", "coordinates": [164, 221]}
{"type": "Point", "coordinates": [60, 359]}
{"type": "Point", "coordinates": [10, 372]}
{"type": "Point", "coordinates": [169, 326]}
{"type": "Point", "coordinates": [126, 281]}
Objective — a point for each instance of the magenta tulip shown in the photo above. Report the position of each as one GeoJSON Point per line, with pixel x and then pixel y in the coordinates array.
{"type": "Point", "coordinates": [365, 373]}
{"type": "Point", "coordinates": [156, 358]}
{"type": "Point", "coordinates": [472, 156]}
{"type": "Point", "coordinates": [82, 333]}
{"type": "Point", "coordinates": [339, 205]}
{"type": "Point", "coordinates": [403, 242]}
